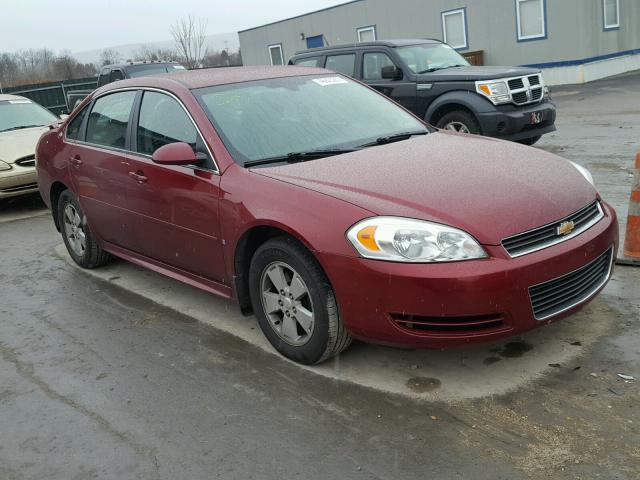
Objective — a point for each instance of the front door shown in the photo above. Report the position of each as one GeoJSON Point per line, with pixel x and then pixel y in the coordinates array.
{"type": "Point", "coordinates": [175, 207]}
{"type": "Point", "coordinates": [402, 91]}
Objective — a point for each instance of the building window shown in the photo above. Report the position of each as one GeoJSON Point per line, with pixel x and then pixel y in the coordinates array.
{"type": "Point", "coordinates": [275, 54]}
{"type": "Point", "coordinates": [531, 22]}
{"type": "Point", "coordinates": [367, 34]}
{"type": "Point", "coordinates": [315, 42]}
{"type": "Point", "coordinates": [611, 14]}
{"type": "Point", "coordinates": [454, 28]}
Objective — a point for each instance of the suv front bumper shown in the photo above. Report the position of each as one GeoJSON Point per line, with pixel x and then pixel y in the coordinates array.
{"type": "Point", "coordinates": [510, 122]}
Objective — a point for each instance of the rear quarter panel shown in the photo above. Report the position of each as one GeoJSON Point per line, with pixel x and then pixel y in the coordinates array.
{"type": "Point", "coordinates": [51, 164]}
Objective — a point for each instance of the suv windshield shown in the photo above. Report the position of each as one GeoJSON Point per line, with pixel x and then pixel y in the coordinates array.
{"type": "Point", "coordinates": [278, 117]}
{"type": "Point", "coordinates": [428, 57]}
{"type": "Point", "coordinates": [22, 113]}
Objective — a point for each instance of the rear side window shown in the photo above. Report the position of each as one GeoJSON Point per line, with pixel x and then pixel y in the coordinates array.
{"type": "Point", "coordinates": [162, 121]}
{"type": "Point", "coordinates": [373, 63]}
{"type": "Point", "coordinates": [103, 79]}
{"type": "Point", "coordinates": [109, 118]}
{"type": "Point", "coordinates": [308, 62]}
{"type": "Point", "coordinates": [116, 75]}
{"type": "Point", "coordinates": [342, 63]}
{"type": "Point", "coordinates": [73, 130]}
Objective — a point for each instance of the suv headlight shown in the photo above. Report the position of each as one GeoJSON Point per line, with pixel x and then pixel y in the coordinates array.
{"type": "Point", "coordinates": [405, 240]}
{"type": "Point", "coordinates": [4, 166]}
{"type": "Point", "coordinates": [497, 92]}
{"type": "Point", "coordinates": [585, 173]}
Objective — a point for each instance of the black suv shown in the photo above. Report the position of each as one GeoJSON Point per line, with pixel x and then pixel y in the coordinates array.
{"type": "Point", "coordinates": [436, 83]}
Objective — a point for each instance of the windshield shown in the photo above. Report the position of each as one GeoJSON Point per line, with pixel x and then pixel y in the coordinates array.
{"type": "Point", "coordinates": [428, 57]}
{"type": "Point", "coordinates": [23, 113]}
{"type": "Point", "coordinates": [276, 117]}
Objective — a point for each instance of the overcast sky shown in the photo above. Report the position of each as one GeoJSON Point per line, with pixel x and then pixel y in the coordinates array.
{"type": "Point", "coordinates": [81, 25]}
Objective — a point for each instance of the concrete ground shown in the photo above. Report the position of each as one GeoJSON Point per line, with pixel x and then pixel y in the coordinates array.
{"type": "Point", "coordinates": [105, 375]}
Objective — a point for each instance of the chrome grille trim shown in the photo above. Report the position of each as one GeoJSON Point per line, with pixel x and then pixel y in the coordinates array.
{"type": "Point", "coordinates": [547, 235]}
{"type": "Point", "coordinates": [563, 293]}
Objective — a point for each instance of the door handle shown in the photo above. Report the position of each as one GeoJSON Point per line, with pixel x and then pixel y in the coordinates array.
{"type": "Point", "coordinates": [76, 161]}
{"type": "Point", "coordinates": [138, 177]}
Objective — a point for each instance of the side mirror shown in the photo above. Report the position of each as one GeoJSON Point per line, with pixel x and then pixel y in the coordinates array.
{"type": "Point", "coordinates": [391, 72]}
{"type": "Point", "coordinates": [178, 153]}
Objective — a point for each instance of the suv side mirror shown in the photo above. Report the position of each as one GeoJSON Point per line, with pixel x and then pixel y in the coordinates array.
{"type": "Point", "coordinates": [391, 72]}
{"type": "Point", "coordinates": [178, 153]}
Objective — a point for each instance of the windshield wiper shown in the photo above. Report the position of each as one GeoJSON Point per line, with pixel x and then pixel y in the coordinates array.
{"type": "Point", "coordinates": [396, 137]}
{"type": "Point", "coordinates": [429, 70]}
{"type": "Point", "coordinates": [295, 157]}
{"type": "Point", "coordinates": [20, 127]}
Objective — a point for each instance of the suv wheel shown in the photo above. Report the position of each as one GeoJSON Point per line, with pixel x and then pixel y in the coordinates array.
{"type": "Point", "coordinates": [459, 121]}
{"type": "Point", "coordinates": [294, 303]}
{"type": "Point", "coordinates": [80, 242]}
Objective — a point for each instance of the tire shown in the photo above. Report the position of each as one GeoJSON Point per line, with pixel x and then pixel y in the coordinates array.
{"type": "Point", "coordinates": [459, 121]}
{"type": "Point", "coordinates": [530, 141]}
{"type": "Point", "coordinates": [322, 338]}
{"type": "Point", "coordinates": [73, 224]}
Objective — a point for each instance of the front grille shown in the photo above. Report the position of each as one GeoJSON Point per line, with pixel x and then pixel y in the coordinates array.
{"type": "Point", "coordinates": [534, 80]}
{"type": "Point", "coordinates": [29, 161]}
{"type": "Point", "coordinates": [548, 235]}
{"type": "Point", "coordinates": [520, 97]}
{"type": "Point", "coordinates": [466, 324]}
{"type": "Point", "coordinates": [561, 294]}
{"type": "Point", "coordinates": [536, 94]}
{"type": "Point", "coordinates": [515, 84]}
{"type": "Point", "coordinates": [28, 186]}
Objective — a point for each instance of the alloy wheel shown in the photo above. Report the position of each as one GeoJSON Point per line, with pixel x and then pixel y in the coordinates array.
{"type": "Point", "coordinates": [74, 230]}
{"type": "Point", "coordinates": [457, 127]}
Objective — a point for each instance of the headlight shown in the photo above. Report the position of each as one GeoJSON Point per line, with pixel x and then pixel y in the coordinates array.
{"type": "Point", "coordinates": [4, 166]}
{"type": "Point", "coordinates": [497, 92]}
{"type": "Point", "coordinates": [585, 173]}
{"type": "Point", "coordinates": [405, 240]}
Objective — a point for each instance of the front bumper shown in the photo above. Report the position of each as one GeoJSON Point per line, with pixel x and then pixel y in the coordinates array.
{"type": "Point", "coordinates": [18, 181]}
{"type": "Point", "coordinates": [489, 297]}
{"type": "Point", "coordinates": [510, 122]}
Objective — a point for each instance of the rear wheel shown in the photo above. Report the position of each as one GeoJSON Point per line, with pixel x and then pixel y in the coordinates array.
{"type": "Point", "coordinates": [459, 121]}
{"type": "Point", "coordinates": [294, 303]}
{"type": "Point", "coordinates": [80, 242]}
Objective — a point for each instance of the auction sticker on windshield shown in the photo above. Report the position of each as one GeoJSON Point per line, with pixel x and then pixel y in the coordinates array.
{"type": "Point", "coordinates": [329, 81]}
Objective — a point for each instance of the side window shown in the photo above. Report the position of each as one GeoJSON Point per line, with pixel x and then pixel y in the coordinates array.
{"type": "Point", "coordinates": [342, 63]}
{"type": "Point", "coordinates": [116, 75]}
{"type": "Point", "coordinates": [103, 79]}
{"type": "Point", "coordinates": [161, 121]}
{"type": "Point", "coordinates": [108, 119]}
{"type": "Point", "coordinates": [308, 62]}
{"type": "Point", "coordinates": [73, 129]}
{"type": "Point", "coordinates": [372, 65]}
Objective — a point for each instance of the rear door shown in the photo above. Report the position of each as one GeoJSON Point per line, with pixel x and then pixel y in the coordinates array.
{"type": "Point", "coordinates": [98, 165]}
{"type": "Point", "coordinates": [175, 206]}
{"type": "Point", "coordinates": [342, 62]}
{"type": "Point", "coordinates": [403, 91]}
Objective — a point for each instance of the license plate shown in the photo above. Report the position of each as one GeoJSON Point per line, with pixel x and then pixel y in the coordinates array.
{"type": "Point", "coordinates": [536, 117]}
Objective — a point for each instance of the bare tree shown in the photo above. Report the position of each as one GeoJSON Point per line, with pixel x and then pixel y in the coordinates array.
{"type": "Point", "coordinates": [110, 56]}
{"type": "Point", "coordinates": [189, 36]}
{"type": "Point", "coordinates": [155, 54]}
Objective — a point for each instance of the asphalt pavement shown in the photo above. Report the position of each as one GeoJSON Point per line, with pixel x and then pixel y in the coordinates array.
{"type": "Point", "coordinates": [100, 378]}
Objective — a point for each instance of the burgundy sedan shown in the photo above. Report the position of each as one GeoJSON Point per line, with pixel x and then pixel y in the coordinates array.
{"type": "Point", "coordinates": [326, 209]}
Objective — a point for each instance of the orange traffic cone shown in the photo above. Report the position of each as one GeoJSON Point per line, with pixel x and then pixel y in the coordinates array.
{"type": "Point", "coordinates": [632, 236]}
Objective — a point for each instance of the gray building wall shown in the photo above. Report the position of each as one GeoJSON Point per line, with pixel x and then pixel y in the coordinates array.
{"type": "Point", "coordinates": [574, 29]}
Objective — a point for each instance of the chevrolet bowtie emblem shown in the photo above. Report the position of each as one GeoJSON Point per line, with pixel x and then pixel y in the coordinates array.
{"type": "Point", "coordinates": [566, 228]}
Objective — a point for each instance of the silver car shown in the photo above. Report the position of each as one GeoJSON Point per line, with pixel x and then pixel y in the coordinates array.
{"type": "Point", "coordinates": [21, 124]}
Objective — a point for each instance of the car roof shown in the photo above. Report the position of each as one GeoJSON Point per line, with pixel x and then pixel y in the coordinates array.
{"type": "Point", "coordinates": [377, 43]}
{"type": "Point", "coordinates": [208, 77]}
{"type": "Point", "coordinates": [132, 64]}
{"type": "Point", "coordinates": [5, 97]}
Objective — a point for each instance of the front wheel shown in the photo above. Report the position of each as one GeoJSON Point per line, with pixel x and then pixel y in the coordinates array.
{"type": "Point", "coordinates": [80, 242]}
{"type": "Point", "coordinates": [294, 303]}
{"type": "Point", "coordinates": [459, 121]}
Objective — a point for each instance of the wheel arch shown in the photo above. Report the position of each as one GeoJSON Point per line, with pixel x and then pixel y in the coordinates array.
{"type": "Point", "coordinates": [457, 100]}
{"type": "Point", "coordinates": [245, 248]}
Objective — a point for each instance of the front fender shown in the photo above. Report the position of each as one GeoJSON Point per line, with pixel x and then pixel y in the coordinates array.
{"type": "Point", "coordinates": [470, 100]}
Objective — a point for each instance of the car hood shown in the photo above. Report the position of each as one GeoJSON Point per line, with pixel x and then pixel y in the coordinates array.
{"type": "Point", "coordinates": [473, 73]}
{"type": "Point", "coordinates": [19, 143]}
{"type": "Point", "coordinates": [489, 188]}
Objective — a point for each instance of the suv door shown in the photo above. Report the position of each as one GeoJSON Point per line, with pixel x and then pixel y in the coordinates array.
{"type": "Point", "coordinates": [344, 63]}
{"type": "Point", "coordinates": [403, 91]}
{"type": "Point", "coordinates": [175, 206]}
{"type": "Point", "coordinates": [96, 149]}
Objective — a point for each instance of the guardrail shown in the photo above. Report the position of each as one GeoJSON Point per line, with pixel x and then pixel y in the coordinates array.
{"type": "Point", "coordinates": [53, 95]}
